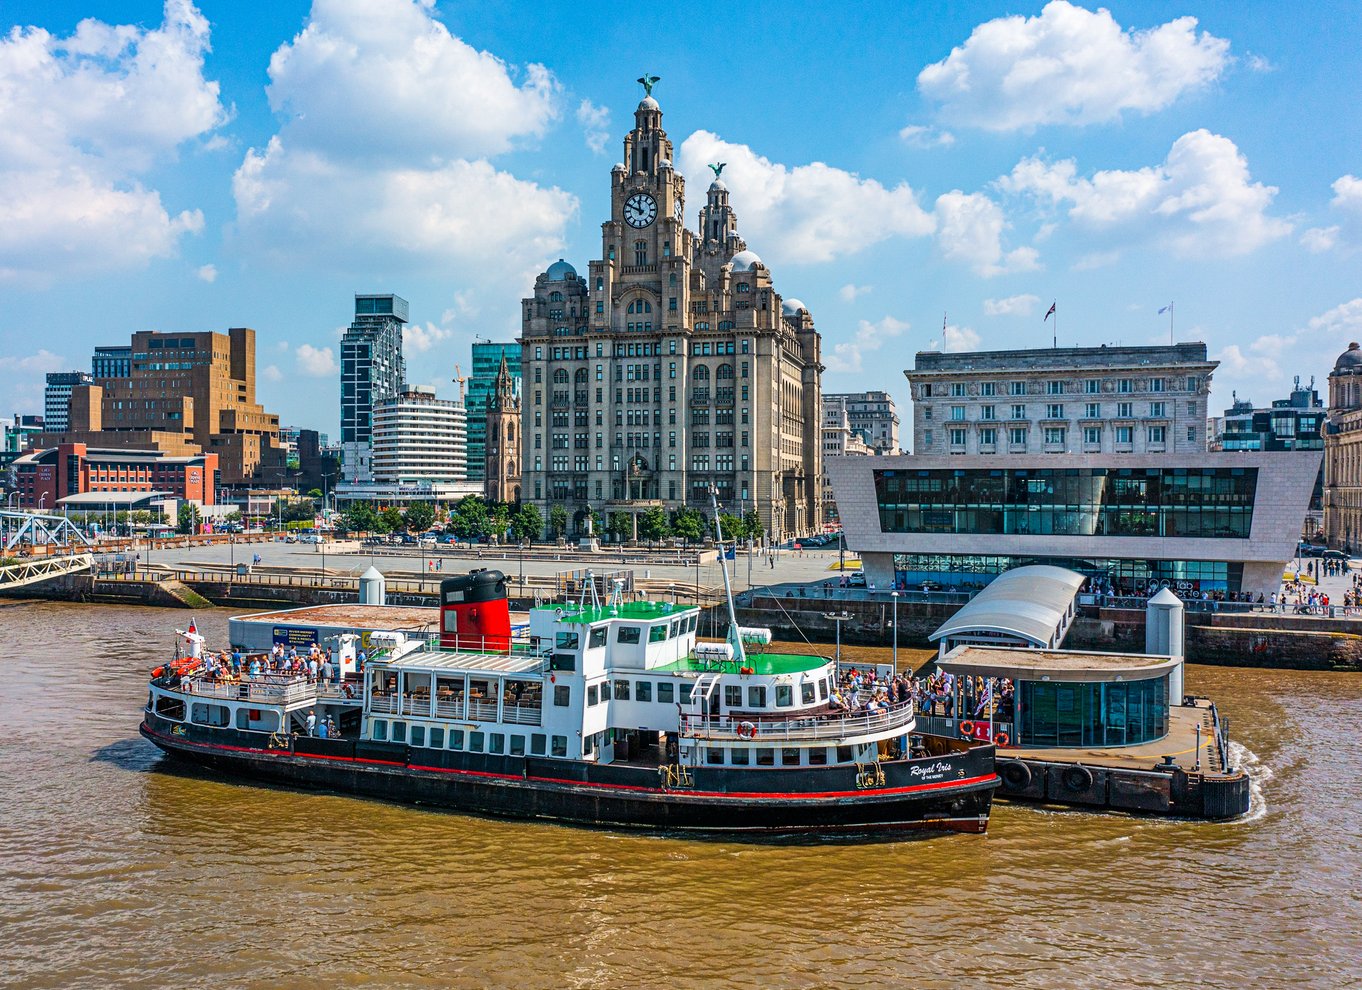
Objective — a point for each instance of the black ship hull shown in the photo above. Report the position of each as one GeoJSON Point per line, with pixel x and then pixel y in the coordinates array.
{"type": "Point", "coordinates": [952, 792]}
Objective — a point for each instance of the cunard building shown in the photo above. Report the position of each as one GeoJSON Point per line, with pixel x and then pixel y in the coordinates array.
{"type": "Point", "coordinates": [673, 366]}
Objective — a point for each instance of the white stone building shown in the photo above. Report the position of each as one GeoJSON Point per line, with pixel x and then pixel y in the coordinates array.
{"type": "Point", "coordinates": [418, 437]}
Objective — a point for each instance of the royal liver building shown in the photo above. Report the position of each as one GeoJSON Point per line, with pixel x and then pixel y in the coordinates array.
{"type": "Point", "coordinates": [673, 366]}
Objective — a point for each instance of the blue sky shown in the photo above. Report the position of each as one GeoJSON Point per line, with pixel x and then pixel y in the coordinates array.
{"type": "Point", "coordinates": [175, 166]}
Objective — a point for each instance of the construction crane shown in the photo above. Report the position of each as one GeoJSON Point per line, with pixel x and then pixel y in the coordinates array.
{"type": "Point", "coordinates": [459, 379]}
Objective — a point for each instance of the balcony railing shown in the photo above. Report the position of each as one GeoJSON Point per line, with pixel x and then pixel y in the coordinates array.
{"type": "Point", "coordinates": [830, 728]}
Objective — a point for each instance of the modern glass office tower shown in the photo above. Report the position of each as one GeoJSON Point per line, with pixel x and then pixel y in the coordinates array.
{"type": "Point", "coordinates": [486, 362]}
{"type": "Point", "coordinates": [372, 370]}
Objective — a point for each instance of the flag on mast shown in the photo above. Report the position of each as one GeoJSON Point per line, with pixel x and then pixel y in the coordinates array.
{"type": "Point", "coordinates": [1165, 309]}
{"type": "Point", "coordinates": [1050, 312]}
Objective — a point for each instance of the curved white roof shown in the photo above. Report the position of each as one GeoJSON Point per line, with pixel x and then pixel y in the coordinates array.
{"type": "Point", "coordinates": [792, 307]}
{"type": "Point", "coordinates": [744, 260]}
{"type": "Point", "coordinates": [1026, 602]}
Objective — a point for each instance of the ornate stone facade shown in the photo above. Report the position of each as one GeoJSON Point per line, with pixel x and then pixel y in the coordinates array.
{"type": "Point", "coordinates": [501, 480]}
{"type": "Point", "coordinates": [1343, 453]}
{"type": "Point", "coordinates": [673, 366]}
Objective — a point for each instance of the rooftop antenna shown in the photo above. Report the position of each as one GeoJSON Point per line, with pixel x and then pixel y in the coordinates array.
{"type": "Point", "coordinates": [734, 636]}
{"type": "Point", "coordinates": [589, 588]}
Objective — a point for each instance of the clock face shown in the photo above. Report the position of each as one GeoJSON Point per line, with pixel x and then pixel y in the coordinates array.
{"type": "Point", "coordinates": [640, 210]}
{"type": "Point", "coordinates": [680, 209]}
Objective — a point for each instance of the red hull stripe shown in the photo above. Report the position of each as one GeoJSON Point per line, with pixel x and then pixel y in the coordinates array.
{"type": "Point", "coordinates": [743, 795]}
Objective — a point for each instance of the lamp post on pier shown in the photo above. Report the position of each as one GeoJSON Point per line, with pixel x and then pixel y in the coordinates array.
{"type": "Point", "coordinates": [838, 618]}
{"type": "Point", "coordinates": [895, 596]}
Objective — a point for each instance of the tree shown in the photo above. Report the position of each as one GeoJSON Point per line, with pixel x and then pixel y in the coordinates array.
{"type": "Point", "coordinates": [558, 521]}
{"type": "Point", "coordinates": [188, 518]}
{"type": "Point", "coordinates": [688, 524]}
{"type": "Point", "coordinates": [232, 517]}
{"type": "Point", "coordinates": [752, 525]}
{"type": "Point", "coordinates": [653, 524]}
{"type": "Point", "coordinates": [733, 527]}
{"type": "Point", "coordinates": [528, 523]}
{"type": "Point", "coordinates": [359, 518]}
{"type": "Point", "coordinates": [419, 516]}
{"type": "Point", "coordinates": [390, 520]}
{"type": "Point", "coordinates": [314, 493]}
{"type": "Point", "coordinates": [300, 510]}
{"type": "Point", "coordinates": [620, 526]}
{"type": "Point", "coordinates": [499, 520]}
{"type": "Point", "coordinates": [468, 519]}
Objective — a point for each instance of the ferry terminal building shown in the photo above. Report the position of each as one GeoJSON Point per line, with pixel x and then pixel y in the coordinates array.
{"type": "Point", "coordinates": [1194, 522]}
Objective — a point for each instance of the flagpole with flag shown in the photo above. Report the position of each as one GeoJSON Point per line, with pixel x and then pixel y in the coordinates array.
{"type": "Point", "coordinates": [1049, 313]}
{"type": "Point", "coordinates": [1169, 310]}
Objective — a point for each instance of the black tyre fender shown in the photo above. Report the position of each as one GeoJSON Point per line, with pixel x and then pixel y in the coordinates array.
{"type": "Point", "coordinates": [1016, 775]}
{"type": "Point", "coordinates": [1077, 778]}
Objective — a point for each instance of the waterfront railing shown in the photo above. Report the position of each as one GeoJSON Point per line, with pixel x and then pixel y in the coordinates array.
{"type": "Point", "coordinates": [831, 727]}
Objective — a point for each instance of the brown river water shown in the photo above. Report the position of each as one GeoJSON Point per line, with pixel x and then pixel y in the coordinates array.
{"type": "Point", "coordinates": [120, 869]}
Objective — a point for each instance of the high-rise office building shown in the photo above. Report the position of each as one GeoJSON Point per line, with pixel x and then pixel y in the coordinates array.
{"type": "Point", "coordinates": [57, 397]}
{"type": "Point", "coordinates": [487, 359]}
{"type": "Point", "coordinates": [372, 370]}
{"type": "Point", "coordinates": [674, 367]}
{"type": "Point", "coordinates": [185, 393]}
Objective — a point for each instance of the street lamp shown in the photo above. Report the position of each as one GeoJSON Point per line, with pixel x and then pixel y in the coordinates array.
{"type": "Point", "coordinates": [838, 618]}
{"type": "Point", "coordinates": [895, 596]}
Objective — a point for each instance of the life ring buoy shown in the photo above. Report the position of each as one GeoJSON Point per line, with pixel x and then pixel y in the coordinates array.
{"type": "Point", "coordinates": [1016, 775]}
{"type": "Point", "coordinates": [1077, 777]}
{"type": "Point", "coordinates": [747, 730]}
{"type": "Point", "coordinates": [1001, 739]}
{"type": "Point", "coordinates": [158, 672]}
{"type": "Point", "coordinates": [967, 730]}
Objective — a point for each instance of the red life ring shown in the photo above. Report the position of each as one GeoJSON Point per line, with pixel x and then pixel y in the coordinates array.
{"type": "Point", "coordinates": [1001, 739]}
{"type": "Point", "coordinates": [967, 730]}
{"type": "Point", "coordinates": [747, 730]}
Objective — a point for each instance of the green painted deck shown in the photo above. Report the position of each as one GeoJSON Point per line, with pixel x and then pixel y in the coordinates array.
{"type": "Point", "coordinates": [629, 611]}
{"type": "Point", "coordinates": [767, 664]}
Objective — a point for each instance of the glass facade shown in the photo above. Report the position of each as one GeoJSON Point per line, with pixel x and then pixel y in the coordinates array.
{"type": "Point", "coordinates": [1112, 713]}
{"type": "Point", "coordinates": [481, 383]}
{"type": "Point", "coordinates": [968, 571]}
{"type": "Point", "coordinates": [1212, 503]}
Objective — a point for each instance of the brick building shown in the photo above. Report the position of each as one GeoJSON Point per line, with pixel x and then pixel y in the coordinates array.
{"type": "Point", "coordinates": [47, 476]}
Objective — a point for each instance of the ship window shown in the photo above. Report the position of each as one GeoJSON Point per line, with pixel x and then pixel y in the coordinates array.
{"type": "Point", "coordinates": [517, 745]}
{"type": "Point", "coordinates": [563, 661]}
{"type": "Point", "coordinates": [784, 695]}
{"type": "Point", "coordinates": [588, 745]}
{"type": "Point", "coordinates": [756, 696]}
{"type": "Point", "coordinates": [597, 637]}
{"type": "Point", "coordinates": [789, 756]}
{"type": "Point", "coordinates": [215, 715]}
{"type": "Point", "coordinates": [806, 694]}
{"type": "Point", "coordinates": [643, 690]}
{"type": "Point", "coordinates": [560, 745]}
{"type": "Point", "coordinates": [456, 738]}
{"type": "Point", "coordinates": [537, 744]}
{"type": "Point", "coordinates": [766, 757]}
{"type": "Point", "coordinates": [258, 719]}
{"type": "Point", "coordinates": [686, 688]}
{"type": "Point", "coordinates": [418, 735]}
{"type": "Point", "coordinates": [822, 690]}
{"type": "Point", "coordinates": [380, 730]}
{"type": "Point", "coordinates": [733, 695]}
{"type": "Point", "coordinates": [567, 640]}
{"type": "Point", "coordinates": [592, 697]}
{"type": "Point", "coordinates": [658, 633]}
{"type": "Point", "coordinates": [498, 743]}
{"type": "Point", "coordinates": [666, 692]}
{"type": "Point", "coordinates": [476, 741]}
{"type": "Point", "coordinates": [628, 634]}
{"type": "Point", "coordinates": [171, 708]}
{"type": "Point", "coordinates": [621, 690]}
{"type": "Point", "coordinates": [437, 737]}
{"type": "Point", "coordinates": [399, 731]}
{"type": "Point", "coordinates": [741, 756]}
{"type": "Point", "coordinates": [562, 695]}
{"type": "Point", "coordinates": [714, 754]}
{"type": "Point", "coordinates": [843, 754]}
{"type": "Point", "coordinates": [818, 756]}
{"type": "Point", "coordinates": [675, 629]}
{"type": "Point", "coordinates": [690, 625]}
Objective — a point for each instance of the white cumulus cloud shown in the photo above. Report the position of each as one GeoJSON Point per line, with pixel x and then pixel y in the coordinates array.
{"type": "Point", "coordinates": [1023, 305]}
{"type": "Point", "coordinates": [316, 362]}
{"type": "Point", "coordinates": [82, 118]}
{"type": "Point", "coordinates": [428, 199]}
{"type": "Point", "coordinates": [1267, 364]}
{"type": "Point", "coordinates": [422, 337]}
{"type": "Point", "coordinates": [1200, 201]}
{"type": "Point", "coordinates": [1069, 66]}
{"type": "Point", "coordinates": [959, 339]}
{"type": "Point", "coordinates": [805, 213]}
{"type": "Point", "coordinates": [595, 123]}
{"type": "Point", "coordinates": [849, 355]}
{"type": "Point", "coordinates": [924, 136]}
{"type": "Point", "coordinates": [209, 273]}
{"type": "Point", "coordinates": [1347, 203]}
{"type": "Point", "coordinates": [271, 373]}
{"type": "Point", "coordinates": [851, 291]}
{"type": "Point", "coordinates": [970, 230]}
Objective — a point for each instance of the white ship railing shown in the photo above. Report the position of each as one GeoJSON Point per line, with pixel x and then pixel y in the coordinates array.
{"type": "Point", "coordinates": [271, 690]}
{"type": "Point", "coordinates": [477, 710]}
{"type": "Point", "coordinates": [830, 727]}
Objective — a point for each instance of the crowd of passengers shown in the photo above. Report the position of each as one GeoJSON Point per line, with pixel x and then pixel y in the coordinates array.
{"type": "Point", "coordinates": [865, 691]}
{"type": "Point", "coordinates": [316, 665]}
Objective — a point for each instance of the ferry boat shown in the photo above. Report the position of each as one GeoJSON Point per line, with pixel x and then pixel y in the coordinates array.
{"type": "Point", "coordinates": [611, 713]}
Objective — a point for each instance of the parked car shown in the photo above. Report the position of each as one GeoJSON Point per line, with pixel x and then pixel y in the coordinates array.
{"type": "Point", "coordinates": [856, 580]}
{"type": "Point", "coordinates": [1310, 550]}
{"type": "Point", "coordinates": [1334, 555]}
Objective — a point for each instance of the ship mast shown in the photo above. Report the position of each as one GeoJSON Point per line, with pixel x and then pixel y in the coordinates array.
{"type": "Point", "coordinates": [734, 635]}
